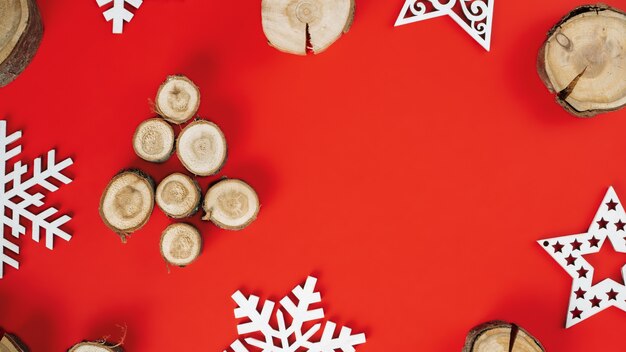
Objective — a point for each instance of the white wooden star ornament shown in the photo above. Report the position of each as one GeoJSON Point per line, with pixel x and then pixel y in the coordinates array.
{"type": "Point", "coordinates": [474, 16]}
{"type": "Point", "coordinates": [587, 299]}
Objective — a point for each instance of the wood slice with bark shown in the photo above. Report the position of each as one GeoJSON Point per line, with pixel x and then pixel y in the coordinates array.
{"type": "Point", "coordinates": [10, 343]}
{"type": "Point", "coordinates": [181, 244]}
{"type": "Point", "coordinates": [583, 61]}
{"type": "Point", "coordinates": [500, 336]}
{"type": "Point", "coordinates": [95, 347]}
{"type": "Point", "coordinates": [154, 140]}
{"type": "Point", "coordinates": [21, 31]}
{"type": "Point", "coordinates": [295, 26]}
{"type": "Point", "coordinates": [127, 202]}
{"type": "Point", "coordinates": [201, 148]}
{"type": "Point", "coordinates": [178, 196]}
{"type": "Point", "coordinates": [178, 99]}
{"type": "Point", "coordinates": [231, 204]}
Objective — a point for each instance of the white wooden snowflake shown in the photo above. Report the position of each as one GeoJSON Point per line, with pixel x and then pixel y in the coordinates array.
{"type": "Point", "coordinates": [474, 16]}
{"type": "Point", "coordinates": [587, 299]}
{"type": "Point", "coordinates": [119, 13]}
{"type": "Point", "coordinates": [18, 198]}
{"type": "Point", "coordinates": [283, 338]}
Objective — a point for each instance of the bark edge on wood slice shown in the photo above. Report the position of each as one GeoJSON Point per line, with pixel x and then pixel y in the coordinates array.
{"type": "Point", "coordinates": [292, 25]}
{"type": "Point", "coordinates": [178, 196]}
{"type": "Point", "coordinates": [500, 336]}
{"type": "Point", "coordinates": [181, 244]}
{"type": "Point", "coordinates": [177, 99]}
{"type": "Point", "coordinates": [231, 204]}
{"type": "Point", "coordinates": [154, 140]}
{"type": "Point", "coordinates": [127, 202]}
{"type": "Point", "coordinates": [95, 347]}
{"type": "Point", "coordinates": [201, 148]}
{"type": "Point", "coordinates": [583, 60]}
{"type": "Point", "coordinates": [20, 36]}
{"type": "Point", "coordinates": [11, 343]}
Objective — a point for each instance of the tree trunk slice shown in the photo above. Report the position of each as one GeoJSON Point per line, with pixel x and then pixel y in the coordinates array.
{"type": "Point", "coordinates": [181, 244]}
{"type": "Point", "coordinates": [154, 140]}
{"type": "Point", "coordinates": [290, 24]}
{"type": "Point", "coordinates": [178, 99]}
{"type": "Point", "coordinates": [127, 202]}
{"type": "Point", "coordinates": [10, 343]}
{"type": "Point", "coordinates": [94, 347]}
{"type": "Point", "coordinates": [231, 204]}
{"type": "Point", "coordinates": [583, 60]}
{"type": "Point", "coordinates": [201, 148]}
{"type": "Point", "coordinates": [499, 336]}
{"type": "Point", "coordinates": [21, 30]}
{"type": "Point", "coordinates": [178, 196]}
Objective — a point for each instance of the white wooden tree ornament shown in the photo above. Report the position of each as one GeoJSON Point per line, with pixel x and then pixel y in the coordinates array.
{"type": "Point", "coordinates": [587, 299]}
{"type": "Point", "coordinates": [474, 16]}
{"type": "Point", "coordinates": [119, 13]}
{"type": "Point", "coordinates": [294, 337]}
{"type": "Point", "coordinates": [18, 197]}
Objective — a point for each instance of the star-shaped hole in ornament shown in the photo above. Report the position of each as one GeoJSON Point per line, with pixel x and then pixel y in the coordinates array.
{"type": "Point", "coordinates": [592, 289]}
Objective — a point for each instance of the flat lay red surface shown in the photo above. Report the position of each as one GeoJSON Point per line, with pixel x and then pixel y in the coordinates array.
{"type": "Point", "coordinates": [407, 168]}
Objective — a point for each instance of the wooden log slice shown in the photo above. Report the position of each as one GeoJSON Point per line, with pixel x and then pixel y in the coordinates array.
{"type": "Point", "coordinates": [178, 99]}
{"type": "Point", "coordinates": [181, 244]}
{"type": "Point", "coordinates": [178, 196]}
{"type": "Point", "coordinates": [154, 140]}
{"type": "Point", "coordinates": [290, 24]}
{"type": "Point", "coordinates": [231, 204]}
{"type": "Point", "coordinates": [202, 148]}
{"type": "Point", "coordinates": [127, 202]}
{"type": "Point", "coordinates": [94, 347]}
{"type": "Point", "coordinates": [583, 60]}
{"type": "Point", "coordinates": [10, 343]}
{"type": "Point", "coordinates": [499, 336]}
{"type": "Point", "coordinates": [21, 30]}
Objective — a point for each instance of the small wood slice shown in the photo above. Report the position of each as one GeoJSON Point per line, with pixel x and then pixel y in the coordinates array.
{"type": "Point", "coordinates": [180, 244]}
{"type": "Point", "coordinates": [178, 196]}
{"type": "Point", "coordinates": [127, 202]}
{"type": "Point", "coordinates": [20, 34]}
{"type": "Point", "coordinates": [94, 347]}
{"type": "Point", "coordinates": [201, 147]}
{"type": "Point", "coordinates": [10, 343]}
{"type": "Point", "coordinates": [499, 336]}
{"type": "Point", "coordinates": [154, 140]}
{"type": "Point", "coordinates": [583, 60]}
{"type": "Point", "coordinates": [231, 204]}
{"type": "Point", "coordinates": [178, 99]}
{"type": "Point", "coordinates": [288, 23]}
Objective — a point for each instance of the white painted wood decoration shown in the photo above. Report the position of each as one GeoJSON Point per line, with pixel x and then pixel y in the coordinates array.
{"type": "Point", "coordinates": [118, 13]}
{"type": "Point", "coordinates": [19, 198]}
{"type": "Point", "coordinates": [292, 337]}
{"type": "Point", "coordinates": [587, 299]}
{"type": "Point", "coordinates": [474, 16]}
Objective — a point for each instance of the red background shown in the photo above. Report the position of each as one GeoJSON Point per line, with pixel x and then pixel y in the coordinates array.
{"type": "Point", "coordinates": [407, 168]}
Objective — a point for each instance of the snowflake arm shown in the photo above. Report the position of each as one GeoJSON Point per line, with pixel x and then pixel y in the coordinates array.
{"type": "Point", "coordinates": [118, 13]}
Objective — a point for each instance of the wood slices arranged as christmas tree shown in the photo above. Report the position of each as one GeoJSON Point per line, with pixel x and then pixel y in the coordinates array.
{"type": "Point", "coordinates": [583, 60]}
{"type": "Point", "coordinates": [127, 202]}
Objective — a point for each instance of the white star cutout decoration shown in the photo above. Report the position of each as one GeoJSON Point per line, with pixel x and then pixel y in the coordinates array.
{"type": "Point", "coordinates": [474, 16]}
{"type": "Point", "coordinates": [587, 299]}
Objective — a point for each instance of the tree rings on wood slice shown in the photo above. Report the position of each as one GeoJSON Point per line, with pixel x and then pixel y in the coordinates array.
{"type": "Point", "coordinates": [94, 347]}
{"type": "Point", "coordinates": [178, 196]}
{"type": "Point", "coordinates": [499, 336]}
{"type": "Point", "coordinates": [180, 244]}
{"type": "Point", "coordinates": [201, 147]}
{"type": "Point", "coordinates": [231, 204]}
{"type": "Point", "coordinates": [291, 25]}
{"type": "Point", "coordinates": [583, 60]}
{"type": "Point", "coordinates": [127, 202]}
{"type": "Point", "coordinates": [20, 34]}
{"type": "Point", "coordinates": [178, 99]}
{"type": "Point", "coordinates": [154, 140]}
{"type": "Point", "coordinates": [10, 343]}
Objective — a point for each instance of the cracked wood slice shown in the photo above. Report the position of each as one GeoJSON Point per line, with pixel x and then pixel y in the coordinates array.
{"type": "Point", "coordinates": [178, 99]}
{"type": "Point", "coordinates": [583, 60]}
{"type": "Point", "coordinates": [201, 147]}
{"type": "Point", "coordinates": [154, 140]}
{"type": "Point", "coordinates": [289, 23]}
{"type": "Point", "coordinates": [94, 347]}
{"type": "Point", "coordinates": [181, 244]}
{"type": "Point", "coordinates": [10, 343]}
{"type": "Point", "coordinates": [20, 34]}
{"type": "Point", "coordinates": [499, 336]}
{"type": "Point", "coordinates": [178, 196]}
{"type": "Point", "coordinates": [127, 202]}
{"type": "Point", "coordinates": [231, 204]}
